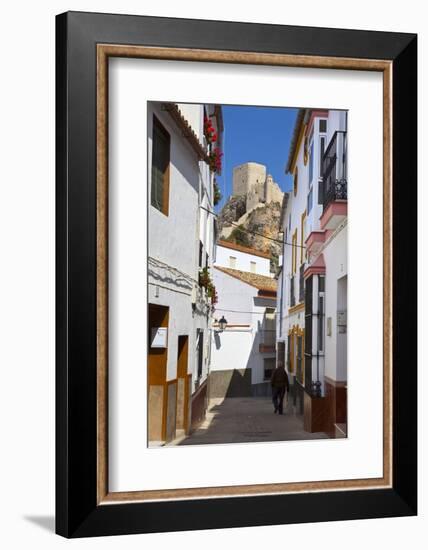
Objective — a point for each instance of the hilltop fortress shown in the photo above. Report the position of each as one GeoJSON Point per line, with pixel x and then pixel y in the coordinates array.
{"type": "Point", "coordinates": [250, 180]}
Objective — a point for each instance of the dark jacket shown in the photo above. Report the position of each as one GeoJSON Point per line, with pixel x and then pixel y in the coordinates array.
{"type": "Point", "coordinates": [279, 379]}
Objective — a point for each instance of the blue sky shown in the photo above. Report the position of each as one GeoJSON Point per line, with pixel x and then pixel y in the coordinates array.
{"type": "Point", "coordinates": [258, 134]}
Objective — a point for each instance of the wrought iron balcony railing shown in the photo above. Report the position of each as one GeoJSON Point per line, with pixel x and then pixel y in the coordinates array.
{"type": "Point", "coordinates": [334, 170]}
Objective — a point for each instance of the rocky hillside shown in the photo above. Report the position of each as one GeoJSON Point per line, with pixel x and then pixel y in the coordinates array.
{"type": "Point", "coordinates": [236, 225]}
{"type": "Point", "coordinates": [233, 209]}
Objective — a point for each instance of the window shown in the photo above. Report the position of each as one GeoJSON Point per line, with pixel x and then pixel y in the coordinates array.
{"type": "Point", "coordinates": [309, 319]}
{"type": "Point", "coordinates": [323, 130]}
{"type": "Point", "coordinates": [294, 252]}
{"type": "Point", "coordinates": [253, 267]}
{"type": "Point", "coordinates": [321, 312]}
{"type": "Point", "coordinates": [232, 262]}
{"type": "Point", "coordinates": [160, 167]}
{"type": "Point", "coordinates": [310, 200]}
{"type": "Point", "coordinates": [201, 253]}
{"type": "Point", "coordinates": [302, 233]}
{"type": "Point", "coordinates": [290, 352]}
{"type": "Point", "coordinates": [296, 178]}
{"type": "Point", "coordinates": [320, 323]}
{"type": "Point", "coordinates": [292, 294]}
{"type": "Point", "coordinates": [322, 138]}
{"type": "Point", "coordinates": [299, 359]}
{"type": "Point", "coordinates": [320, 192]}
{"type": "Point", "coordinates": [322, 150]}
{"type": "Point", "coordinates": [311, 162]}
{"type": "Point", "coordinates": [305, 151]}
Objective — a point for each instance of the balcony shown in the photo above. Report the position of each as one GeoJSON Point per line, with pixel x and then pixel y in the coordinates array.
{"type": "Point", "coordinates": [334, 184]}
{"type": "Point", "coordinates": [314, 243]}
{"type": "Point", "coordinates": [267, 341]}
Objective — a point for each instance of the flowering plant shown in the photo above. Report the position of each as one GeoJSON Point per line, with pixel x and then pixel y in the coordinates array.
{"type": "Point", "coordinates": [212, 294]}
{"type": "Point", "coordinates": [217, 194]}
{"type": "Point", "coordinates": [215, 160]}
{"type": "Point", "coordinates": [206, 282]}
{"type": "Point", "coordinates": [204, 278]}
{"type": "Point", "coordinates": [209, 131]}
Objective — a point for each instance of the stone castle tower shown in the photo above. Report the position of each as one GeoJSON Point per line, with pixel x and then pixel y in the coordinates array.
{"type": "Point", "coordinates": [250, 179]}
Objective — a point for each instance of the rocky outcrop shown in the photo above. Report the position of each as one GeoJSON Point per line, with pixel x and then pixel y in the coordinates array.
{"type": "Point", "coordinates": [232, 211]}
{"type": "Point", "coordinates": [250, 228]}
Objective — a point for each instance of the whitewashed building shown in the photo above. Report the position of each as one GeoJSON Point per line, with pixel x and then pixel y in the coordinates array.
{"type": "Point", "coordinates": [181, 237]}
{"type": "Point", "coordinates": [243, 355]}
{"type": "Point", "coordinates": [312, 283]}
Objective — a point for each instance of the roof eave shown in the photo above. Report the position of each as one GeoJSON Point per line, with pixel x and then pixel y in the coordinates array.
{"type": "Point", "coordinates": [300, 119]}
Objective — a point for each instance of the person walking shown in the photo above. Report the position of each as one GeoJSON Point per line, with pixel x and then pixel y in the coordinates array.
{"type": "Point", "coordinates": [280, 384]}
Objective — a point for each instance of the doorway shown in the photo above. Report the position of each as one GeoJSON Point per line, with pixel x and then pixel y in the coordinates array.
{"type": "Point", "coordinates": [182, 418]}
{"type": "Point", "coordinates": [158, 317]}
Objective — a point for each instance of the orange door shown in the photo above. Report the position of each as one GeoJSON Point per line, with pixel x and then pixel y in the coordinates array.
{"type": "Point", "coordinates": [156, 376]}
{"type": "Point", "coordinates": [182, 418]}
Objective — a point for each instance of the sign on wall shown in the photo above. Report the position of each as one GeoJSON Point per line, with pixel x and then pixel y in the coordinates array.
{"type": "Point", "coordinates": [159, 337]}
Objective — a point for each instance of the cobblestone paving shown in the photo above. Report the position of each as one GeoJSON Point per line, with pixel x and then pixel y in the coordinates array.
{"type": "Point", "coordinates": [245, 420]}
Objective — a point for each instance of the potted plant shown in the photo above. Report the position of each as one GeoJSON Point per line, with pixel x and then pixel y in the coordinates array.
{"type": "Point", "coordinates": [217, 194]}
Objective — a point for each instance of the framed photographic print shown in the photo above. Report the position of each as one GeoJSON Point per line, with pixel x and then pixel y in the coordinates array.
{"type": "Point", "coordinates": [236, 241]}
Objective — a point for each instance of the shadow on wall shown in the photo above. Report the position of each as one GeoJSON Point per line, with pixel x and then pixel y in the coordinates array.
{"type": "Point", "coordinates": [233, 382]}
{"type": "Point", "coordinates": [217, 340]}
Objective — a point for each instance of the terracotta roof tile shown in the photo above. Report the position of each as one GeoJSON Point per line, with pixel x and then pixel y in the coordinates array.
{"type": "Point", "coordinates": [262, 282]}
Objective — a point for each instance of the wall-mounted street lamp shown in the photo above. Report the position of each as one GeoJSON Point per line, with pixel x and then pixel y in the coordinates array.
{"type": "Point", "coordinates": [222, 324]}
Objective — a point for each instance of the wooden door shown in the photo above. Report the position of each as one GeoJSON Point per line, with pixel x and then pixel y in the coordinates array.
{"type": "Point", "coordinates": [156, 376]}
{"type": "Point", "coordinates": [182, 418]}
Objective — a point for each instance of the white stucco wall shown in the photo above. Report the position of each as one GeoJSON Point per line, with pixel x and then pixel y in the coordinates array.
{"type": "Point", "coordinates": [336, 259]}
{"type": "Point", "coordinates": [334, 255]}
{"type": "Point", "coordinates": [233, 296]}
{"type": "Point", "coordinates": [173, 263]}
{"type": "Point", "coordinates": [168, 233]}
{"type": "Point", "coordinates": [194, 114]}
{"type": "Point", "coordinates": [243, 260]}
{"type": "Point", "coordinates": [238, 346]}
{"type": "Point", "coordinates": [231, 349]}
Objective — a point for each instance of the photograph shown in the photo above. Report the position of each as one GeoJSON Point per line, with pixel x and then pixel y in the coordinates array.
{"type": "Point", "coordinates": [247, 273]}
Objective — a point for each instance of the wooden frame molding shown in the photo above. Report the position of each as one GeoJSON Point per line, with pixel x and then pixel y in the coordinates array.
{"type": "Point", "coordinates": [104, 52]}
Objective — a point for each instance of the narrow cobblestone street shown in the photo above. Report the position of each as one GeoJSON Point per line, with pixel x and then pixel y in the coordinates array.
{"type": "Point", "coordinates": [246, 420]}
